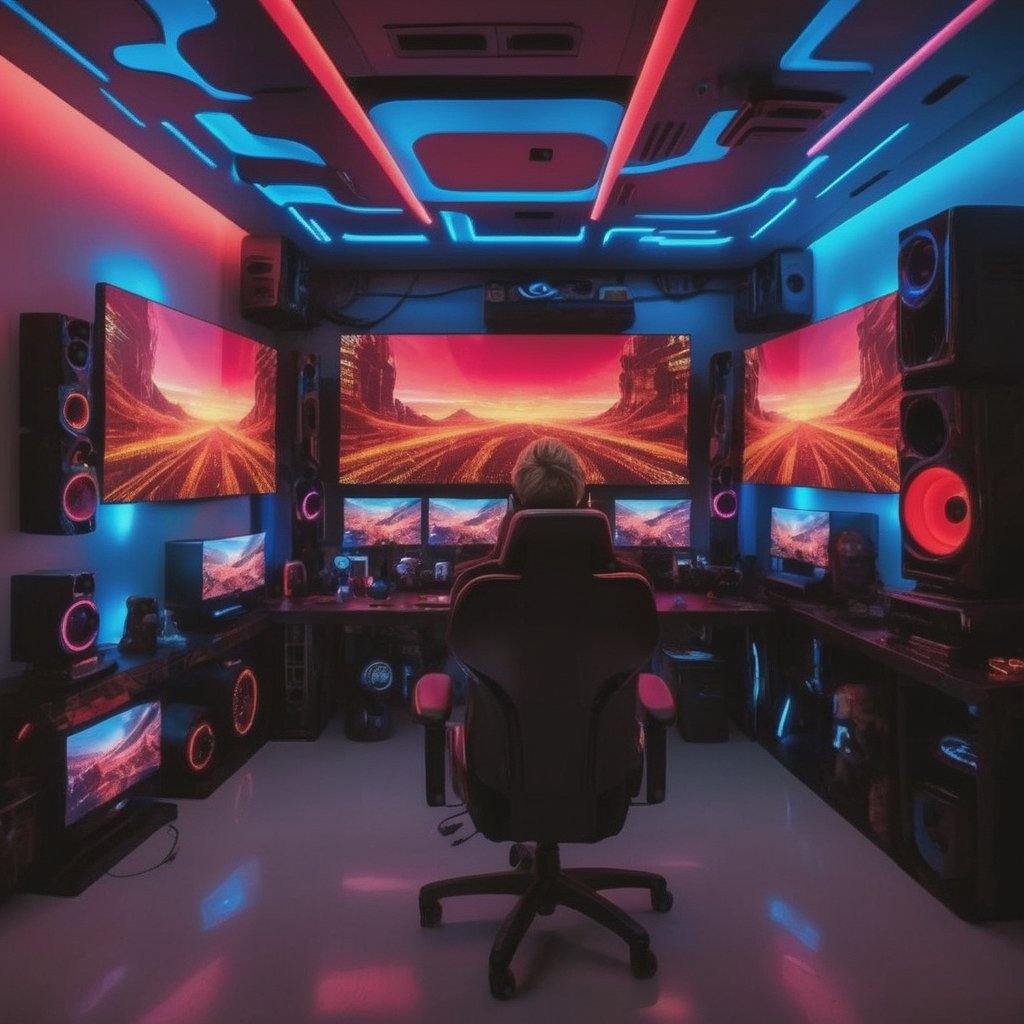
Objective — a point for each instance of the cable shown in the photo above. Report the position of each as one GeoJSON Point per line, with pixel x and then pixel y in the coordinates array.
{"type": "Point", "coordinates": [167, 858]}
{"type": "Point", "coordinates": [365, 325]}
{"type": "Point", "coordinates": [447, 826]}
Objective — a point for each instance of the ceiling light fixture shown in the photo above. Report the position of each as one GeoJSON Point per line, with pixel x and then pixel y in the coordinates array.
{"type": "Point", "coordinates": [294, 28]}
{"type": "Point", "coordinates": [674, 20]}
{"type": "Point", "coordinates": [937, 41]}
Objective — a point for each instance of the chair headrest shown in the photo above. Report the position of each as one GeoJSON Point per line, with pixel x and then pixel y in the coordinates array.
{"type": "Point", "coordinates": [544, 533]}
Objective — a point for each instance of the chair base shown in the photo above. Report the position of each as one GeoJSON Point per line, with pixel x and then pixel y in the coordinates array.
{"type": "Point", "coordinates": [541, 884]}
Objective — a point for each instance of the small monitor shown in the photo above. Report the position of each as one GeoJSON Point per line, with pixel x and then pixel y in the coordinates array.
{"type": "Point", "coordinates": [798, 540]}
{"type": "Point", "coordinates": [209, 578]}
{"type": "Point", "coordinates": [108, 759]}
{"type": "Point", "coordinates": [652, 522]}
{"type": "Point", "coordinates": [464, 521]}
{"type": "Point", "coordinates": [369, 522]}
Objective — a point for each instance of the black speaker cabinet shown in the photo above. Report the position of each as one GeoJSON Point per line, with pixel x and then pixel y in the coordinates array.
{"type": "Point", "coordinates": [961, 488]}
{"type": "Point", "coordinates": [777, 294]}
{"type": "Point", "coordinates": [230, 689]}
{"type": "Point", "coordinates": [698, 680]}
{"type": "Point", "coordinates": [307, 406]}
{"type": "Point", "coordinates": [944, 832]}
{"type": "Point", "coordinates": [58, 487]}
{"type": "Point", "coordinates": [274, 282]}
{"type": "Point", "coordinates": [188, 741]}
{"type": "Point", "coordinates": [54, 621]}
{"type": "Point", "coordinates": [961, 294]}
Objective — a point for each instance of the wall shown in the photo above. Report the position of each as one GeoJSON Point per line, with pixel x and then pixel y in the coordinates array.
{"type": "Point", "coordinates": [78, 208]}
{"type": "Point", "coordinates": [857, 262]}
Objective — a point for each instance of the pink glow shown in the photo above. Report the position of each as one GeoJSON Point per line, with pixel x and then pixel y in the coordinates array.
{"type": "Point", "coordinates": [674, 20]}
{"type": "Point", "coordinates": [194, 999]}
{"type": "Point", "coordinates": [378, 883]}
{"type": "Point", "coordinates": [368, 990]}
{"type": "Point", "coordinates": [305, 43]}
{"type": "Point", "coordinates": [937, 41]}
{"type": "Point", "coordinates": [817, 996]}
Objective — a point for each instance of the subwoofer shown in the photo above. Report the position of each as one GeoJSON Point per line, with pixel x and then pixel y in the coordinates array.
{"type": "Point", "coordinates": [55, 622]}
{"type": "Point", "coordinates": [188, 741]}
{"type": "Point", "coordinates": [230, 689]}
{"type": "Point", "coordinates": [961, 295]}
{"type": "Point", "coordinates": [944, 832]}
{"type": "Point", "coordinates": [961, 490]}
{"type": "Point", "coordinates": [58, 485]}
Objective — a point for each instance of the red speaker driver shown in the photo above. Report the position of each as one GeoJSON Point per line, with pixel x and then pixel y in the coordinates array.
{"type": "Point", "coordinates": [936, 510]}
{"type": "Point", "coordinates": [200, 748]}
{"type": "Point", "coordinates": [75, 411]}
{"type": "Point", "coordinates": [80, 496]}
{"type": "Point", "coordinates": [79, 626]}
{"type": "Point", "coordinates": [245, 693]}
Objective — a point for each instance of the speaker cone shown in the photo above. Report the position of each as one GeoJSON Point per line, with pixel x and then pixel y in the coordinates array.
{"type": "Point", "coordinates": [919, 267]}
{"type": "Point", "coordinates": [936, 511]}
{"type": "Point", "coordinates": [80, 496]}
{"type": "Point", "coordinates": [79, 626]}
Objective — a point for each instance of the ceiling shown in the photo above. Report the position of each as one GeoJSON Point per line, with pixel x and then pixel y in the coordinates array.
{"type": "Point", "coordinates": [632, 134]}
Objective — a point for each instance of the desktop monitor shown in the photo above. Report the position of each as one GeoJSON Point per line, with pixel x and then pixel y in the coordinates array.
{"type": "Point", "coordinates": [799, 540]}
{"type": "Point", "coordinates": [464, 521]}
{"type": "Point", "coordinates": [821, 404]}
{"type": "Point", "coordinates": [211, 579]}
{"type": "Point", "coordinates": [188, 407]}
{"type": "Point", "coordinates": [442, 410]}
{"type": "Point", "coordinates": [370, 522]}
{"type": "Point", "coordinates": [652, 522]}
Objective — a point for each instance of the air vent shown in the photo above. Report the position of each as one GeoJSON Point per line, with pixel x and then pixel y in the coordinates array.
{"type": "Point", "coordinates": [943, 89]}
{"type": "Point", "coordinates": [484, 40]}
{"type": "Point", "coordinates": [778, 117]}
{"type": "Point", "coordinates": [665, 139]}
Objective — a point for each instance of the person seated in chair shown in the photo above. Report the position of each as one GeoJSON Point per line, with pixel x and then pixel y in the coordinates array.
{"type": "Point", "coordinates": [546, 474]}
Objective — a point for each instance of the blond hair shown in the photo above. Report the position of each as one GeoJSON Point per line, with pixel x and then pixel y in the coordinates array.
{"type": "Point", "coordinates": [548, 474]}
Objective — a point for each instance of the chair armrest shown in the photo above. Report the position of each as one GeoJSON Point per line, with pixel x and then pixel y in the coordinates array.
{"type": "Point", "coordinates": [657, 712]}
{"type": "Point", "coordinates": [431, 708]}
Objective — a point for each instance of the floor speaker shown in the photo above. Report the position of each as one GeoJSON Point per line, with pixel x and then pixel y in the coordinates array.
{"type": "Point", "coordinates": [944, 833]}
{"type": "Point", "coordinates": [961, 490]}
{"type": "Point", "coordinates": [698, 680]}
{"type": "Point", "coordinates": [58, 486]}
{"type": "Point", "coordinates": [230, 689]}
{"type": "Point", "coordinates": [961, 294]}
{"type": "Point", "coordinates": [188, 742]}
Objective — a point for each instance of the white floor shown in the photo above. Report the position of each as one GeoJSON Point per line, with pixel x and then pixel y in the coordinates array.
{"type": "Point", "coordinates": [292, 898]}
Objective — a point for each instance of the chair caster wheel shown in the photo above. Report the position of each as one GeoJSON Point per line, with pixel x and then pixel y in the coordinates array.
{"type": "Point", "coordinates": [643, 963]}
{"type": "Point", "coordinates": [520, 855]}
{"type": "Point", "coordinates": [661, 900]}
{"type": "Point", "coordinates": [502, 982]}
{"type": "Point", "coordinates": [430, 914]}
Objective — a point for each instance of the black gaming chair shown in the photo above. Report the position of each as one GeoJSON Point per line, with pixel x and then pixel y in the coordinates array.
{"type": "Point", "coordinates": [561, 724]}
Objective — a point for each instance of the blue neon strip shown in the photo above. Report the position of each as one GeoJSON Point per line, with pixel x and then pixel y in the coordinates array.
{"type": "Point", "coordinates": [780, 731]}
{"type": "Point", "coordinates": [775, 189]}
{"type": "Point", "coordinates": [659, 239]}
{"type": "Point", "coordinates": [285, 194]}
{"type": "Point", "coordinates": [460, 229]}
{"type": "Point", "coordinates": [176, 17]}
{"type": "Point", "coordinates": [122, 108]}
{"type": "Point", "coordinates": [57, 41]}
{"type": "Point", "coordinates": [228, 609]}
{"type": "Point", "coordinates": [188, 143]}
{"type": "Point", "coordinates": [796, 924]}
{"type": "Point", "coordinates": [798, 56]}
{"type": "Point", "coordinates": [771, 220]}
{"type": "Point", "coordinates": [316, 226]}
{"type": "Point", "coordinates": [402, 123]}
{"type": "Point", "coordinates": [227, 129]}
{"type": "Point", "coordinates": [317, 232]}
{"type": "Point", "coordinates": [863, 160]}
{"type": "Point", "coordinates": [384, 239]}
{"type": "Point", "coordinates": [612, 232]}
{"type": "Point", "coordinates": [705, 149]}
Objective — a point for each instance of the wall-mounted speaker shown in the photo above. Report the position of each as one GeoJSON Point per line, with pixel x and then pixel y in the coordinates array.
{"type": "Point", "coordinates": [188, 741]}
{"type": "Point", "coordinates": [961, 489]}
{"type": "Point", "coordinates": [274, 282]}
{"type": "Point", "coordinates": [961, 294]}
{"type": "Point", "coordinates": [307, 426]}
{"type": "Point", "coordinates": [725, 455]}
{"type": "Point", "coordinates": [777, 294]}
{"type": "Point", "coordinates": [54, 622]}
{"type": "Point", "coordinates": [58, 486]}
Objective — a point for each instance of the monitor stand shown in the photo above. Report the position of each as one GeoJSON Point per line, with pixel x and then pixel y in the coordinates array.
{"type": "Point", "coordinates": [795, 586]}
{"type": "Point", "coordinates": [68, 869]}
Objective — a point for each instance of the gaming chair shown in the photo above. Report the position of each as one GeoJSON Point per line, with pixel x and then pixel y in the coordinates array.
{"type": "Point", "coordinates": [561, 725]}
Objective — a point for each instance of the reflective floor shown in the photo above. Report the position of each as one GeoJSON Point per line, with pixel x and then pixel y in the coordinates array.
{"type": "Point", "coordinates": [292, 898]}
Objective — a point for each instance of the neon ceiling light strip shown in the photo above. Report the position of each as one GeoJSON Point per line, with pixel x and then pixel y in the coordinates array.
{"type": "Point", "coordinates": [799, 56]}
{"type": "Point", "coordinates": [297, 194]}
{"type": "Point", "coordinates": [314, 229]}
{"type": "Point", "coordinates": [656, 238]}
{"type": "Point", "coordinates": [460, 229]}
{"type": "Point", "coordinates": [176, 17]}
{"type": "Point", "coordinates": [674, 19]}
{"type": "Point", "coordinates": [403, 123]}
{"type": "Point", "coordinates": [790, 186]}
{"type": "Point", "coordinates": [384, 239]}
{"type": "Point", "coordinates": [771, 220]}
{"type": "Point", "coordinates": [937, 41]}
{"type": "Point", "coordinates": [57, 40]}
{"type": "Point", "coordinates": [228, 130]}
{"type": "Point", "coordinates": [122, 108]}
{"type": "Point", "coordinates": [863, 160]}
{"type": "Point", "coordinates": [302, 39]}
{"type": "Point", "coordinates": [705, 149]}
{"type": "Point", "coordinates": [188, 144]}
{"type": "Point", "coordinates": [315, 225]}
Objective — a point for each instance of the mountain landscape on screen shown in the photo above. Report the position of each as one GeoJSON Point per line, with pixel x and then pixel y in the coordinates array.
{"type": "Point", "coordinates": [799, 536]}
{"type": "Point", "coordinates": [821, 404]}
{"type": "Point", "coordinates": [381, 521]}
{"type": "Point", "coordinates": [458, 409]}
{"type": "Point", "coordinates": [233, 565]}
{"type": "Point", "coordinates": [464, 520]}
{"type": "Point", "coordinates": [650, 522]}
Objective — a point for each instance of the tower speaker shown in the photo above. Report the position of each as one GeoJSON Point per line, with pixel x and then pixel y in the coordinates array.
{"type": "Point", "coordinates": [54, 621]}
{"type": "Point", "coordinates": [188, 742]}
{"type": "Point", "coordinates": [274, 282]}
{"type": "Point", "coordinates": [777, 294]}
{"type": "Point", "coordinates": [725, 456]}
{"type": "Point", "coordinates": [58, 486]}
{"type": "Point", "coordinates": [961, 489]}
{"type": "Point", "coordinates": [961, 294]}
{"type": "Point", "coordinates": [307, 426]}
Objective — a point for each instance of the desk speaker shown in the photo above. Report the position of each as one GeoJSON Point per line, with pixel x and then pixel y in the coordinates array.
{"type": "Point", "coordinates": [54, 620]}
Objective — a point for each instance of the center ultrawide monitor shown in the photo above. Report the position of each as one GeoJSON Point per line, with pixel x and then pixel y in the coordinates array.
{"type": "Point", "coordinates": [444, 409]}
